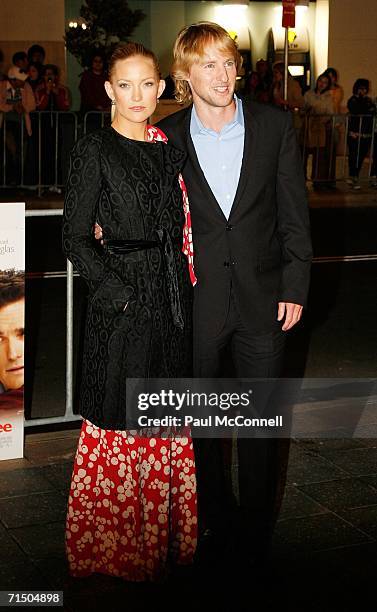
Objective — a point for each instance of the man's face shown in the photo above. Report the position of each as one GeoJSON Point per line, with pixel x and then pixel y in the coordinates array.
{"type": "Point", "coordinates": [12, 345]}
{"type": "Point", "coordinates": [17, 83]}
{"type": "Point", "coordinates": [22, 63]}
{"type": "Point", "coordinates": [213, 79]}
{"type": "Point", "coordinates": [49, 75]}
{"type": "Point", "coordinates": [37, 57]}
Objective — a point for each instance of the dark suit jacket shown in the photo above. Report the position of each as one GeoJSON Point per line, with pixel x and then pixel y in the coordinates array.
{"type": "Point", "coordinates": [264, 248]}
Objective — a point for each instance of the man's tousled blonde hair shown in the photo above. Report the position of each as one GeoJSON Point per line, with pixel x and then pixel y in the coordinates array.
{"type": "Point", "coordinates": [190, 47]}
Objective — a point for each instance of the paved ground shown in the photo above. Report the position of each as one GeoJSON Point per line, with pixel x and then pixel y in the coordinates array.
{"type": "Point", "coordinates": [324, 555]}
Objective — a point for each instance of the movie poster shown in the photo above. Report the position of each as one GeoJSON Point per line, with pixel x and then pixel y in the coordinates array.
{"type": "Point", "coordinates": [12, 317]}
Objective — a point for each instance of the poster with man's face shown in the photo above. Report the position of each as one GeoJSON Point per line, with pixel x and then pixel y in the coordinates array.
{"type": "Point", "coordinates": [12, 345]}
{"type": "Point", "coordinates": [12, 324]}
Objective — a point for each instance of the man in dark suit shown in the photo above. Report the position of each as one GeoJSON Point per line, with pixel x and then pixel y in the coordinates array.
{"type": "Point", "coordinates": [252, 257]}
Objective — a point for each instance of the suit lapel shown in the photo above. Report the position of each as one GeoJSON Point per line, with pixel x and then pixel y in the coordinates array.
{"type": "Point", "coordinates": [197, 169]}
{"type": "Point", "coordinates": [249, 154]}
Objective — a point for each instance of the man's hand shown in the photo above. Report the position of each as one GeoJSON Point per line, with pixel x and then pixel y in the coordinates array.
{"type": "Point", "coordinates": [98, 232]}
{"type": "Point", "coordinates": [292, 313]}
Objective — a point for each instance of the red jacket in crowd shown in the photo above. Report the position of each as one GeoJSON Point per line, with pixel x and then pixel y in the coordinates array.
{"type": "Point", "coordinates": [57, 99]}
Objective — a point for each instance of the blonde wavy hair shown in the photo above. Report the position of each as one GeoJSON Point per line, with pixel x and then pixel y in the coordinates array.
{"type": "Point", "coordinates": [190, 47]}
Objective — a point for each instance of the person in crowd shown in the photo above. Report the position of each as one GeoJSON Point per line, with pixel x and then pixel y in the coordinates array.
{"type": "Point", "coordinates": [16, 103]}
{"type": "Point", "coordinates": [252, 257]}
{"type": "Point", "coordinates": [34, 73]}
{"type": "Point", "coordinates": [20, 60]}
{"type": "Point", "coordinates": [295, 100]}
{"type": "Point", "coordinates": [335, 89]}
{"type": "Point", "coordinates": [50, 94]}
{"type": "Point", "coordinates": [264, 71]}
{"type": "Point", "coordinates": [2, 78]}
{"type": "Point", "coordinates": [373, 174]}
{"type": "Point", "coordinates": [319, 106]}
{"type": "Point", "coordinates": [12, 311]}
{"type": "Point", "coordinates": [36, 53]}
{"type": "Point", "coordinates": [34, 79]}
{"type": "Point", "coordinates": [138, 325]}
{"type": "Point", "coordinates": [252, 86]}
{"type": "Point", "coordinates": [2, 75]}
{"type": "Point", "coordinates": [92, 86]}
{"type": "Point", "coordinates": [360, 128]}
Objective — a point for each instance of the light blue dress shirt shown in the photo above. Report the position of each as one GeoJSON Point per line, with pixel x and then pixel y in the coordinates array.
{"type": "Point", "coordinates": [220, 155]}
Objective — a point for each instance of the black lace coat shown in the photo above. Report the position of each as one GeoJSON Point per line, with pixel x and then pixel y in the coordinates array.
{"type": "Point", "coordinates": [131, 189]}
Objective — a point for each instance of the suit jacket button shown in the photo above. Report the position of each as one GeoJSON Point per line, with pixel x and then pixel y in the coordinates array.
{"type": "Point", "coordinates": [229, 227]}
{"type": "Point", "coordinates": [233, 263]}
{"type": "Point", "coordinates": [226, 264]}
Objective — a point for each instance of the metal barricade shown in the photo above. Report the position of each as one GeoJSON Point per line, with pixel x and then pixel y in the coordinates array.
{"type": "Point", "coordinates": [332, 140]}
{"type": "Point", "coordinates": [68, 415]}
{"type": "Point", "coordinates": [102, 117]}
{"type": "Point", "coordinates": [43, 158]}
{"type": "Point", "coordinates": [39, 161]}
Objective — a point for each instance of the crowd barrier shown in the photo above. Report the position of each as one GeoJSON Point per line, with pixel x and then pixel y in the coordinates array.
{"type": "Point", "coordinates": [40, 161]}
{"type": "Point", "coordinates": [337, 147]}
{"type": "Point", "coordinates": [333, 147]}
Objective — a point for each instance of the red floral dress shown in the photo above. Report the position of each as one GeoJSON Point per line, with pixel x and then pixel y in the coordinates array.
{"type": "Point", "coordinates": [132, 501]}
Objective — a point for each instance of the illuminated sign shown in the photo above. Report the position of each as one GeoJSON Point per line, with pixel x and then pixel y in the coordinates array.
{"type": "Point", "coordinates": [289, 13]}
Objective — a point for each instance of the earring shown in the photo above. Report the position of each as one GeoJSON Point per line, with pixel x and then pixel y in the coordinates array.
{"type": "Point", "coordinates": [158, 100]}
{"type": "Point", "coordinates": [112, 102]}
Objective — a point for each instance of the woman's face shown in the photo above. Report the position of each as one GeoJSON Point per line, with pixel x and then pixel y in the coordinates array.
{"type": "Point", "coordinates": [33, 73]}
{"type": "Point", "coordinates": [97, 64]}
{"type": "Point", "coordinates": [362, 91]}
{"type": "Point", "coordinates": [277, 75]}
{"type": "Point", "coordinates": [135, 87]}
{"type": "Point", "coordinates": [333, 77]}
{"type": "Point", "coordinates": [323, 83]}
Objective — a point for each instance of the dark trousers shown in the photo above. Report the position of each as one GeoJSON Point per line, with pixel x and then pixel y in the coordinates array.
{"type": "Point", "coordinates": [373, 171]}
{"type": "Point", "coordinates": [356, 154]}
{"type": "Point", "coordinates": [261, 462]}
{"type": "Point", "coordinates": [324, 160]}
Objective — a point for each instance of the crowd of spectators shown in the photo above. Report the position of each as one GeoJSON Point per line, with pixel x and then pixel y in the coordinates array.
{"type": "Point", "coordinates": [320, 120]}
{"type": "Point", "coordinates": [319, 114]}
{"type": "Point", "coordinates": [30, 85]}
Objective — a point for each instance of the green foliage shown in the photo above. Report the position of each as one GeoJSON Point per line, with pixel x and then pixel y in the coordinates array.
{"type": "Point", "coordinates": [108, 22]}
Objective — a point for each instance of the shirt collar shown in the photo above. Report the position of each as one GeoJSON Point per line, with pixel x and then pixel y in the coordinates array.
{"type": "Point", "coordinates": [197, 127]}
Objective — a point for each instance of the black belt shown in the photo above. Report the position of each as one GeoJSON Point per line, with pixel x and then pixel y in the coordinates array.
{"type": "Point", "coordinates": [123, 247]}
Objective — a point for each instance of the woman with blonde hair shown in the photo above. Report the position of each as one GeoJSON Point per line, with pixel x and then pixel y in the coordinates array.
{"type": "Point", "coordinates": [132, 502]}
{"type": "Point", "coordinates": [319, 106]}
